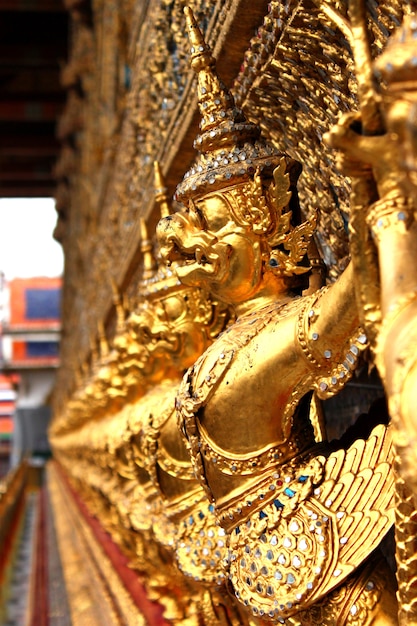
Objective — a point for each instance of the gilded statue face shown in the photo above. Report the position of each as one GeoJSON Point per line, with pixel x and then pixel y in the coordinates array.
{"type": "Point", "coordinates": [152, 331]}
{"type": "Point", "coordinates": [155, 344]}
{"type": "Point", "coordinates": [167, 328]}
{"type": "Point", "coordinates": [210, 249]}
{"type": "Point", "coordinates": [191, 333]}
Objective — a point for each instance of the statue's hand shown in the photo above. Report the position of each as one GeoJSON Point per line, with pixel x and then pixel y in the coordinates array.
{"type": "Point", "coordinates": [347, 140]}
{"type": "Point", "coordinates": [367, 155]}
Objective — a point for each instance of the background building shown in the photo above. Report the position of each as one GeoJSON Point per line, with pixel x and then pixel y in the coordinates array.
{"type": "Point", "coordinates": [7, 410]}
{"type": "Point", "coordinates": [30, 353]}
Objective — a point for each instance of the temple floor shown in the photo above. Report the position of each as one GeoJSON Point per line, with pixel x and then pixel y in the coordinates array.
{"type": "Point", "coordinates": [58, 565]}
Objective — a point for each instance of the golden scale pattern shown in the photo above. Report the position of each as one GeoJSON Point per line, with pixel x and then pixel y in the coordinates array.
{"type": "Point", "coordinates": [296, 79]}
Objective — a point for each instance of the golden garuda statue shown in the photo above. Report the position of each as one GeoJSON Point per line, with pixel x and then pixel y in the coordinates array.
{"type": "Point", "coordinates": [207, 458]}
{"type": "Point", "coordinates": [303, 518]}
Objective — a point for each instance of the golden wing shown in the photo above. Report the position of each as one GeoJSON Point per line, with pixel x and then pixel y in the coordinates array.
{"type": "Point", "coordinates": [357, 493]}
{"type": "Point", "coordinates": [320, 524]}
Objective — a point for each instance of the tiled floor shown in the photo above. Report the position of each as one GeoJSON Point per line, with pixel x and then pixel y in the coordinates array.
{"type": "Point", "coordinates": [59, 611]}
{"type": "Point", "coordinates": [22, 584]}
{"type": "Point", "coordinates": [19, 586]}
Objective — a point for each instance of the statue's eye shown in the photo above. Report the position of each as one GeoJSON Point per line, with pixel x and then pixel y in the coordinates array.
{"type": "Point", "coordinates": [200, 217]}
{"type": "Point", "coordinates": [174, 308]}
{"type": "Point", "coordinates": [195, 215]}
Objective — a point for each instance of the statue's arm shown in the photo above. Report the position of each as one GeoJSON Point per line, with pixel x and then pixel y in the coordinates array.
{"type": "Point", "coordinates": [390, 217]}
{"type": "Point", "coordinates": [329, 334]}
{"type": "Point", "coordinates": [392, 222]}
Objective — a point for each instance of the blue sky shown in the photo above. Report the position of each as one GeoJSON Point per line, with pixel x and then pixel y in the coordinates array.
{"type": "Point", "coordinates": [26, 245]}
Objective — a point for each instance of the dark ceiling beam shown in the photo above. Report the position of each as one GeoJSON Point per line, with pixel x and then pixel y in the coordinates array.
{"type": "Point", "coordinates": [35, 171]}
{"type": "Point", "coordinates": [33, 49]}
{"type": "Point", "coordinates": [29, 111]}
{"type": "Point", "coordinates": [31, 83]}
{"type": "Point", "coordinates": [27, 190]}
{"type": "Point", "coordinates": [19, 175]}
{"type": "Point", "coordinates": [27, 53]}
{"type": "Point", "coordinates": [54, 6]}
{"type": "Point", "coordinates": [53, 97]}
{"type": "Point", "coordinates": [29, 145]}
{"type": "Point", "coordinates": [14, 178]}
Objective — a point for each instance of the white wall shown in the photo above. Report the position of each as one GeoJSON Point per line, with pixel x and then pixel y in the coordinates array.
{"type": "Point", "coordinates": [34, 388]}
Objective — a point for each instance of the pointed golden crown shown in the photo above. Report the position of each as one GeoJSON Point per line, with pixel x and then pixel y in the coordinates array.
{"type": "Point", "coordinates": [157, 278]}
{"type": "Point", "coordinates": [230, 147]}
{"type": "Point", "coordinates": [160, 190]}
